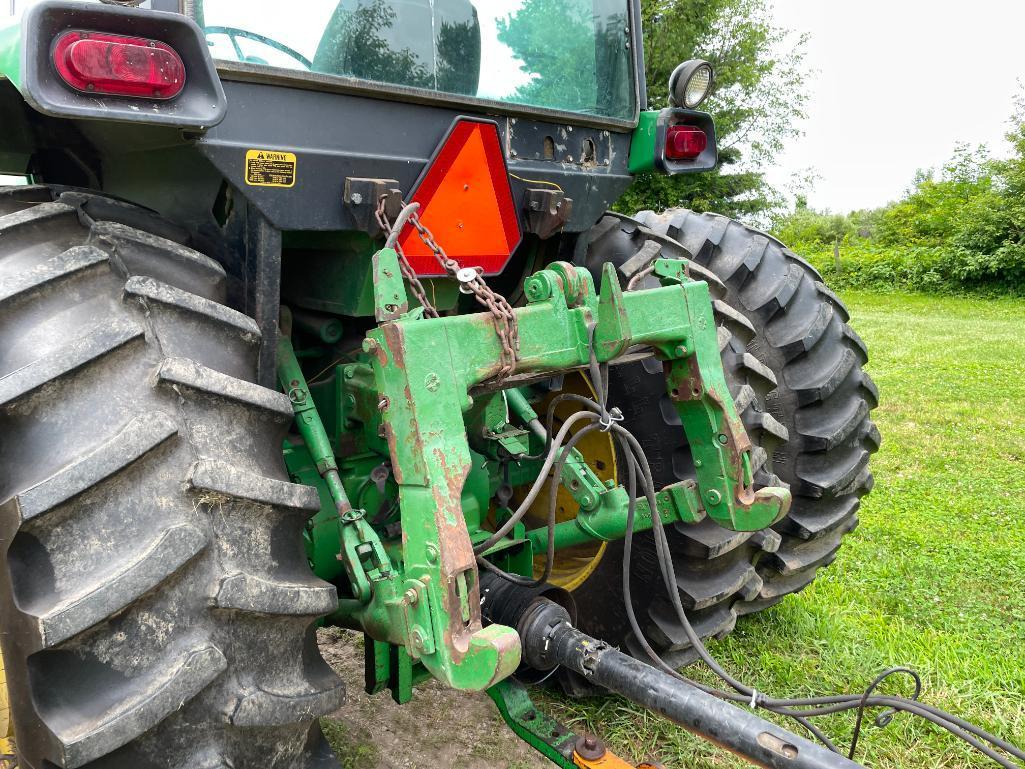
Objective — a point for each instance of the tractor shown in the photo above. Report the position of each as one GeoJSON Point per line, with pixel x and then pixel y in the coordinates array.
{"type": "Point", "coordinates": [316, 314]}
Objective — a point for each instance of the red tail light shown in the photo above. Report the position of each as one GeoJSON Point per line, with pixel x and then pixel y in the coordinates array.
{"type": "Point", "coordinates": [99, 63]}
{"type": "Point", "coordinates": [685, 142]}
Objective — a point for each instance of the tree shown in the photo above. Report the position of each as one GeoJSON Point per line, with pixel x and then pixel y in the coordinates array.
{"type": "Point", "coordinates": [575, 57]}
{"type": "Point", "coordinates": [758, 100]}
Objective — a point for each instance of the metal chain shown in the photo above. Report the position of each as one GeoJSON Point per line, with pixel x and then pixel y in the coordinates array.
{"type": "Point", "coordinates": [404, 267]}
{"type": "Point", "coordinates": [471, 281]}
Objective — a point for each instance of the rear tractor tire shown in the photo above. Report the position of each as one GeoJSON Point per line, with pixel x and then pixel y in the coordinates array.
{"type": "Point", "coordinates": [794, 368]}
{"type": "Point", "coordinates": [157, 606]}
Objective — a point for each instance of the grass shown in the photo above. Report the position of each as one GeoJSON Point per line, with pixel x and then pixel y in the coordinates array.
{"type": "Point", "coordinates": [934, 578]}
{"type": "Point", "coordinates": [352, 752]}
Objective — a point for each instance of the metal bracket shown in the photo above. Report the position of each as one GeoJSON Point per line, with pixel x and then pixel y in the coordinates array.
{"type": "Point", "coordinates": [361, 197]}
{"type": "Point", "coordinates": [547, 211]}
{"type": "Point", "coordinates": [390, 299]}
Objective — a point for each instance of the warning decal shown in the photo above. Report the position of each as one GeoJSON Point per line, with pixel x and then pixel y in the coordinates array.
{"type": "Point", "coordinates": [267, 168]}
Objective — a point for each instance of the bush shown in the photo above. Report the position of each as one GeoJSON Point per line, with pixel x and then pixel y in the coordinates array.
{"type": "Point", "coordinates": [932, 269]}
{"type": "Point", "coordinates": [881, 268]}
{"type": "Point", "coordinates": [959, 229]}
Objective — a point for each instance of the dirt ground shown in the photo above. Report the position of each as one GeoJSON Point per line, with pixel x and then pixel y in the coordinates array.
{"type": "Point", "coordinates": [439, 728]}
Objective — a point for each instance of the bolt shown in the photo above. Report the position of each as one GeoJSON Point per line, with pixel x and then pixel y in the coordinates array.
{"type": "Point", "coordinates": [585, 500]}
{"type": "Point", "coordinates": [412, 596]}
{"type": "Point", "coordinates": [418, 640]}
{"type": "Point", "coordinates": [432, 382]}
{"type": "Point", "coordinates": [432, 553]}
{"type": "Point", "coordinates": [350, 372]}
{"type": "Point", "coordinates": [384, 403]}
{"type": "Point", "coordinates": [390, 308]}
{"type": "Point", "coordinates": [610, 484]}
{"type": "Point", "coordinates": [590, 749]}
{"type": "Point", "coordinates": [713, 497]}
{"type": "Point", "coordinates": [681, 351]}
{"type": "Point", "coordinates": [356, 198]}
{"type": "Point", "coordinates": [723, 439]}
{"type": "Point", "coordinates": [369, 345]}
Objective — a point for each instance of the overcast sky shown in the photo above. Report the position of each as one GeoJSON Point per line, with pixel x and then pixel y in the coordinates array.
{"type": "Point", "coordinates": [899, 83]}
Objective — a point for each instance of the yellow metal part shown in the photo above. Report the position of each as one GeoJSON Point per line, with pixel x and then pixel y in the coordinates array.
{"type": "Point", "coordinates": [573, 565]}
{"type": "Point", "coordinates": [610, 761]}
{"type": "Point", "coordinates": [8, 752]}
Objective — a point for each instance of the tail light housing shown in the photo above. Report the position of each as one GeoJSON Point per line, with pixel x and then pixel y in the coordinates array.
{"type": "Point", "coordinates": [118, 65]}
{"type": "Point", "coordinates": [674, 141]}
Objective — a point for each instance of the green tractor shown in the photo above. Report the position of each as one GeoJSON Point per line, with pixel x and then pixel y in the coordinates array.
{"type": "Point", "coordinates": [316, 315]}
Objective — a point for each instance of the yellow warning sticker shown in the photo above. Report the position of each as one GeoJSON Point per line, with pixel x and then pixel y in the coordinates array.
{"type": "Point", "coordinates": [269, 168]}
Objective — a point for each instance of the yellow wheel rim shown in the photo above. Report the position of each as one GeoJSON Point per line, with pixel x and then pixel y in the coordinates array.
{"type": "Point", "coordinates": [573, 565]}
{"type": "Point", "coordinates": [8, 752]}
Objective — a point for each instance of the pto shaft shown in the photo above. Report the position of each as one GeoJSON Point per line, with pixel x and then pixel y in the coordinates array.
{"type": "Point", "coordinates": [738, 730]}
{"type": "Point", "coordinates": [550, 640]}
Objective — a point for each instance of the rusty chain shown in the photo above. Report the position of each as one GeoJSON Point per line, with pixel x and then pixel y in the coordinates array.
{"type": "Point", "coordinates": [404, 267]}
{"type": "Point", "coordinates": [471, 281]}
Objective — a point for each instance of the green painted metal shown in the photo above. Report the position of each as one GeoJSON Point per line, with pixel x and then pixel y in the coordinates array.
{"type": "Point", "coordinates": [424, 373]}
{"type": "Point", "coordinates": [344, 285]}
{"type": "Point", "coordinates": [676, 504]}
{"type": "Point", "coordinates": [387, 666]}
{"type": "Point", "coordinates": [542, 732]}
{"type": "Point", "coordinates": [489, 428]}
{"type": "Point", "coordinates": [322, 536]}
{"type": "Point", "coordinates": [362, 552]}
{"type": "Point", "coordinates": [417, 410]}
{"type": "Point", "coordinates": [642, 144]}
{"type": "Point", "coordinates": [390, 300]}
{"type": "Point", "coordinates": [10, 51]}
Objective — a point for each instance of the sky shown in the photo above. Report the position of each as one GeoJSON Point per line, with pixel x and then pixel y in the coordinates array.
{"type": "Point", "coordinates": [898, 84]}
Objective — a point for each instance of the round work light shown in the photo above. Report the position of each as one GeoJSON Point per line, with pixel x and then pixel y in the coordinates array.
{"type": "Point", "coordinates": [691, 83]}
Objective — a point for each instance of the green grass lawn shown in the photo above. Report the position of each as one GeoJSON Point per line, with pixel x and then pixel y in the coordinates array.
{"type": "Point", "coordinates": [934, 578]}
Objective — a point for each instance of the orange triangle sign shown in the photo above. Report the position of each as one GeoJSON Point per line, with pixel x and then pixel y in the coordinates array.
{"type": "Point", "coordinates": [466, 202]}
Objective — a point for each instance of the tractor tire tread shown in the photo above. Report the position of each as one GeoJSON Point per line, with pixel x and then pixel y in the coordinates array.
{"type": "Point", "coordinates": [795, 371]}
{"type": "Point", "coordinates": [156, 610]}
